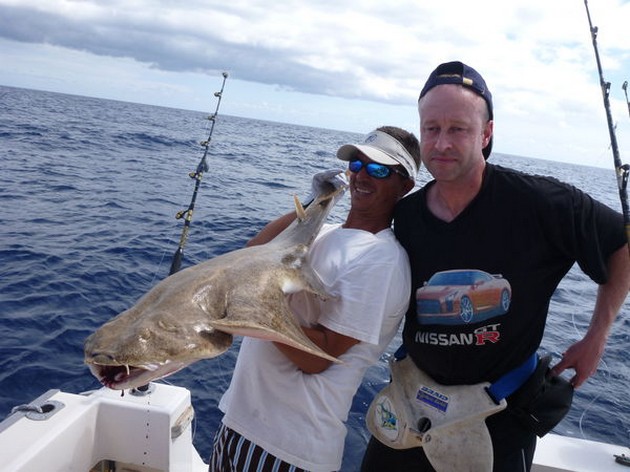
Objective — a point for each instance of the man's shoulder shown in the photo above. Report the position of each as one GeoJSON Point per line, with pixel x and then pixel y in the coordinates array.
{"type": "Point", "coordinates": [534, 187]}
{"type": "Point", "coordinates": [519, 177]}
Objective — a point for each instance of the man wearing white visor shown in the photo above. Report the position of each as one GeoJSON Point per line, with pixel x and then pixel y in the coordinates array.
{"type": "Point", "coordinates": [285, 410]}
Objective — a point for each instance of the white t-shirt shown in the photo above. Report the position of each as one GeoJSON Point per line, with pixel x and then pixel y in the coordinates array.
{"type": "Point", "coordinates": [300, 417]}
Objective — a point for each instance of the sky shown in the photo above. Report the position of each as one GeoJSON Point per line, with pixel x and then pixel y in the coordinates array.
{"type": "Point", "coordinates": [349, 65]}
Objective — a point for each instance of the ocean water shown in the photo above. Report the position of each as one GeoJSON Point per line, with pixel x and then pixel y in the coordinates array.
{"type": "Point", "coordinates": [89, 189]}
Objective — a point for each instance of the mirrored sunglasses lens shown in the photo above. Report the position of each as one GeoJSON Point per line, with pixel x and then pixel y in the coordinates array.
{"type": "Point", "coordinates": [378, 171]}
{"type": "Point", "coordinates": [355, 166]}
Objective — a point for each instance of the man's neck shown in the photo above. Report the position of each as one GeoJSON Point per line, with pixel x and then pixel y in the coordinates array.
{"type": "Point", "coordinates": [448, 199]}
{"type": "Point", "coordinates": [372, 224]}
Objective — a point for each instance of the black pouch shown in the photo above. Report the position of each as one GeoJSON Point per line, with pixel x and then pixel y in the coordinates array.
{"type": "Point", "coordinates": [543, 400]}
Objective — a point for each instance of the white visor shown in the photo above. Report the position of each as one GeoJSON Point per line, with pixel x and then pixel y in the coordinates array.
{"type": "Point", "coordinates": [382, 148]}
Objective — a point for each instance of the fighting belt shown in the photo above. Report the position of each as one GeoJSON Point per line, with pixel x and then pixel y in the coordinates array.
{"type": "Point", "coordinates": [448, 421]}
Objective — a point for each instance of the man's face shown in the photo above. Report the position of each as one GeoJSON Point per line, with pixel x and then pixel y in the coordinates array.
{"type": "Point", "coordinates": [373, 194]}
{"type": "Point", "coordinates": [453, 131]}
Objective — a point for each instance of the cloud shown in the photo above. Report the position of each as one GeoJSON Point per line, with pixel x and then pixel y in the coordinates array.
{"type": "Point", "coordinates": [355, 49]}
{"type": "Point", "coordinates": [536, 55]}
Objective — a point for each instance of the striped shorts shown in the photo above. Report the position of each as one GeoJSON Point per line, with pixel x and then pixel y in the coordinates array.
{"type": "Point", "coordinates": [231, 452]}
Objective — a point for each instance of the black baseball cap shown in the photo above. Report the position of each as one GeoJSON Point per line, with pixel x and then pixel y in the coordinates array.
{"type": "Point", "coordinates": [458, 73]}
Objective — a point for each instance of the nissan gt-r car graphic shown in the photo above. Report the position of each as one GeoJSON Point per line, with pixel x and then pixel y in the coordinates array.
{"type": "Point", "coordinates": [462, 296]}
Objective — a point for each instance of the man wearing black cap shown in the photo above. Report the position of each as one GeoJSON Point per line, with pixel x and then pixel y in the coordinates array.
{"type": "Point", "coordinates": [493, 227]}
{"type": "Point", "coordinates": [286, 409]}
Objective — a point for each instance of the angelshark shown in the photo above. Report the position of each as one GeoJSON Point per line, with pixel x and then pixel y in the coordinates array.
{"type": "Point", "coordinates": [193, 314]}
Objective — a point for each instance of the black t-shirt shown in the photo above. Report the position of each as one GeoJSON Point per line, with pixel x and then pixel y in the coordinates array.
{"type": "Point", "coordinates": [481, 284]}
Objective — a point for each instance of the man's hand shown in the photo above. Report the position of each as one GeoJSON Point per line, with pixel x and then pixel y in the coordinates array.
{"type": "Point", "coordinates": [583, 357]}
{"type": "Point", "coordinates": [324, 182]}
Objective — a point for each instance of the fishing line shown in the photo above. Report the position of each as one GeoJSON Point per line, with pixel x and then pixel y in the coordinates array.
{"type": "Point", "coordinates": [622, 170]}
{"type": "Point", "coordinates": [625, 90]}
{"type": "Point", "coordinates": [197, 175]}
{"type": "Point", "coordinates": [157, 270]}
{"type": "Point", "coordinates": [605, 372]}
{"type": "Point", "coordinates": [587, 408]}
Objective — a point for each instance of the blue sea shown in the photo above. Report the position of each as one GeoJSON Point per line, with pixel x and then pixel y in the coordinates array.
{"type": "Point", "coordinates": [89, 190]}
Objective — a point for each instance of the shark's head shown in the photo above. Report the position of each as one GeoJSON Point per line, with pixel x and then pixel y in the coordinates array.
{"type": "Point", "coordinates": [138, 346]}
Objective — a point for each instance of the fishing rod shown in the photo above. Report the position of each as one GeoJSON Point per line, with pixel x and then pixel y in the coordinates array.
{"type": "Point", "coordinates": [197, 175]}
{"type": "Point", "coordinates": [622, 170]}
{"type": "Point", "coordinates": [625, 90]}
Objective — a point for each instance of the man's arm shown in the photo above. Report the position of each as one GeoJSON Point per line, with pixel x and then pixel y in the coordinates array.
{"type": "Point", "coordinates": [272, 229]}
{"type": "Point", "coordinates": [584, 356]}
{"type": "Point", "coordinates": [329, 341]}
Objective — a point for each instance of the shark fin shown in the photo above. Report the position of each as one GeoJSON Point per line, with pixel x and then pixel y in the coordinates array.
{"type": "Point", "coordinates": [271, 326]}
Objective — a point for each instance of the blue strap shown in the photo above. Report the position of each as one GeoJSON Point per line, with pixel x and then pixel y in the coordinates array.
{"type": "Point", "coordinates": [400, 353]}
{"type": "Point", "coordinates": [511, 381]}
{"type": "Point", "coordinates": [507, 384]}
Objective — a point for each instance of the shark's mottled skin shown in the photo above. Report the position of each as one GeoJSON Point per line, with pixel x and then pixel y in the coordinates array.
{"type": "Point", "coordinates": [192, 314]}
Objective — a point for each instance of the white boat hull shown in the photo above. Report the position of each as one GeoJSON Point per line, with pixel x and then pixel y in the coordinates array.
{"type": "Point", "coordinates": [555, 453]}
{"type": "Point", "coordinates": [153, 433]}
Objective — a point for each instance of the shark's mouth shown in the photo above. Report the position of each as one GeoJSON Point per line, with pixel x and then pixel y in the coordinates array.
{"type": "Point", "coordinates": [120, 377]}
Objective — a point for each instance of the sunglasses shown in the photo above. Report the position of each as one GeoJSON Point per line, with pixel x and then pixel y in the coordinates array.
{"type": "Point", "coordinates": [373, 169]}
